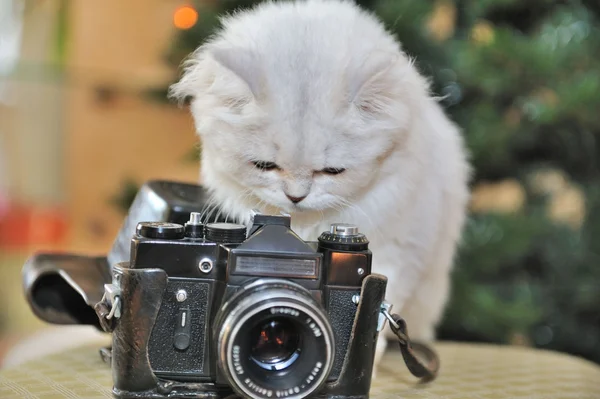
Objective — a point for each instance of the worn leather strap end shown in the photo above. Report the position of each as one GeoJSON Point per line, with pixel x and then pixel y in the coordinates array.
{"type": "Point", "coordinates": [427, 371]}
{"type": "Point", "coordinates": [102, 311]}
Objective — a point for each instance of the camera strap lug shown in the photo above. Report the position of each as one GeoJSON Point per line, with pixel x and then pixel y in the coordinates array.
{"type": "Point", "coordinates": [112, 294]}
{"type": "Point", "coordinates": [412, 352]}
{"type": "Point", "coordinates": [386, 307]}
{"type": "Point", "coordinates": [109, 308]}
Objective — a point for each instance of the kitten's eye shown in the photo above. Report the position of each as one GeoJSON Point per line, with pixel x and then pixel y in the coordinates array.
{"type": "Point", "coordinates": [333, 171]}
{"type": "Point", "coordinates": [263, 165]}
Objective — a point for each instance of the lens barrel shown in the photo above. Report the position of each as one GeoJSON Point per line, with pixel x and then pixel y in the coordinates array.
{"type": "Point", "coordinates": [274, 341]}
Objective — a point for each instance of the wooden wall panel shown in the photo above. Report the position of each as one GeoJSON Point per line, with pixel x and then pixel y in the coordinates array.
{"type": "Point", "coordinates": [31, 117]}
{"type": "Point", "coordinates": [118, 44]}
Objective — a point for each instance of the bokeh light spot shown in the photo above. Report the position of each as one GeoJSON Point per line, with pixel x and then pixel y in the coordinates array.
{"type": "Point", "coordinates": [185, 17]}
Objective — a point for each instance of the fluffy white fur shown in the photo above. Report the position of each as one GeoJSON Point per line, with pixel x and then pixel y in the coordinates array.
{"type": "Point", "coordinates": [318, 84]}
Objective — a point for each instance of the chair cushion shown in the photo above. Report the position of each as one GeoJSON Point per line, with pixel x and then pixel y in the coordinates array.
{"type": "Point", "coordinates": [468, 371]}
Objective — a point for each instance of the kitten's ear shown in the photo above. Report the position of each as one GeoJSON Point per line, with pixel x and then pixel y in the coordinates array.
{"type": "Point", "coordinates": [374, 85]}
{"type": "Point", "coordinates": [243, 64]}
{"type": "Point", "coordinates": [229, 74]}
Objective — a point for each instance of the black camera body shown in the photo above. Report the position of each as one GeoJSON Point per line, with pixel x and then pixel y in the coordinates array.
{"type": "Point", "coordinates": [219, 309]}
{"type": "Point", "coordinates": [210, 309]}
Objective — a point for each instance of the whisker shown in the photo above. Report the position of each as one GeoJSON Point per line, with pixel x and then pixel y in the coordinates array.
{"type": "Point", "coordinates": [208, 207]}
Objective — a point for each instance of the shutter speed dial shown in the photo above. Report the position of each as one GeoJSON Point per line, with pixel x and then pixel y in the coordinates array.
{"type": "Point", "coordinates": [344, 237]}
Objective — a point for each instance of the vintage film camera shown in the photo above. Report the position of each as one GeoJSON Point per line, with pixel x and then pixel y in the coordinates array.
{"type": "Point", "coordinates": [216, 309]}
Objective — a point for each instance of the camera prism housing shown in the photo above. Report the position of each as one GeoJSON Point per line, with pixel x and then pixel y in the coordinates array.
{"type": "Point", "coordinates": [218, 309]}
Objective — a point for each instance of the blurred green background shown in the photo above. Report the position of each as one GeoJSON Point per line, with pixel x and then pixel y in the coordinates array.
{"type": "Point", "coordinates": [520, 77]}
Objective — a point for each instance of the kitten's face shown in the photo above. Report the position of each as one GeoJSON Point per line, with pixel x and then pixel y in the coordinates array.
{"type": "Point", "coordinates": [296, 110]}
{"type": "Point", "coordinates": [319, 159]}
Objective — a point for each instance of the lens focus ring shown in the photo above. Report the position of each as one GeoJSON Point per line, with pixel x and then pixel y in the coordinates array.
{"type": "Point", "coordinates": [275, 342]}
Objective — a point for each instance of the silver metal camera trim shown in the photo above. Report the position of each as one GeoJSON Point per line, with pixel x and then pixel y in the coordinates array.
{"type": "Point", "coordinates": [386, 308]}
{"type": "Point", "coordinates": [344, 229]}
{"type": "Point", "coordinates": [181, 295]}
{"type": "Point", "coordinates": [112, 298]}
{"type": "Point", "coordinates": [232, 324]}
{"type": "Point", "coordinates": [205, 260]}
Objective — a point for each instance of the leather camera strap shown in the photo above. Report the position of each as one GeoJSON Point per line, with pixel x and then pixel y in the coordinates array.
{"type": "Point", "coordinates": [426, 370]}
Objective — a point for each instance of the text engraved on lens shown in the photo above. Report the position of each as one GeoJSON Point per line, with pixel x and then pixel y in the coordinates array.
{"type": "Point", "coordinates": [288, 311]}
{"type": "Point", "coordinates": [287, 392]}
{"type": "Point", "coordinates": [236, 360]}
{"type": "Point", "coordinates": [313, 326]}
{"type": "Point", "coordinates": [314, 372]}
{"type": "Point", "coordinates": [258, 389]}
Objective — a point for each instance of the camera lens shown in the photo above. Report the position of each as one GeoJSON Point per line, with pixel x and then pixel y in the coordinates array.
{"type": "Point", "coordinates": [275, 344]}
{"type": "Point", "coordinates": [274, 340]}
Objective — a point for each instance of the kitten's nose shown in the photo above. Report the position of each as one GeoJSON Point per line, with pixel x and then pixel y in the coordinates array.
{"type": "Point", "coordinates": [295, 200]}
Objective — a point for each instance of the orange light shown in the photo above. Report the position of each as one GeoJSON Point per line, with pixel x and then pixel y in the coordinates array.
{"type": "Point", "coordinates": [185, 17]}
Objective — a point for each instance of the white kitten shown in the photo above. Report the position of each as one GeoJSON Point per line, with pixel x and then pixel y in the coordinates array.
{"type": "Point", "coordinates": [311, 107]}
